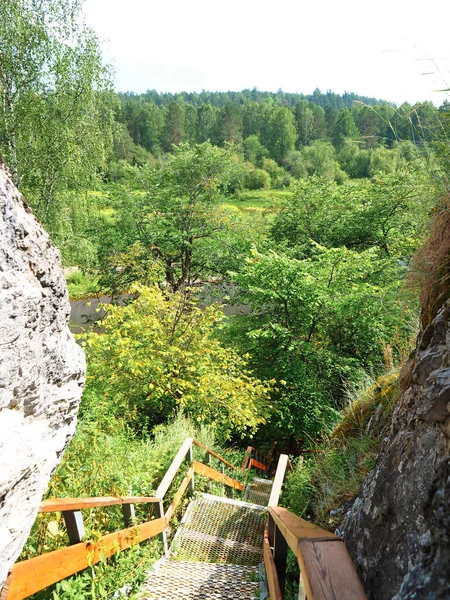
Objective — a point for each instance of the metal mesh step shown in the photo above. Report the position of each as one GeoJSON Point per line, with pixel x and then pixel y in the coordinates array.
{"type": "Point", "coordinates": [220, 530]}
{"type": "Point", "coordinates": [258, 491]}
{"type": "Point", "coordinates": [177, 580]}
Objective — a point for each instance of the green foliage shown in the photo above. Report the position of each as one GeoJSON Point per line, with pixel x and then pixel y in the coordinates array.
{"type": "Point", "coordinates": [56, 102]}
{"type": "Point", "coordinates": [256, 179]}
{"type": "Point", "coordinates": [313, 324]}
{"type": "Point", "coordinates": [90, 468]}
{"type": "Point", "coordinates": [333, 475]}
{"type": "Point", "coordinates": [157, 354]}
{"type": "Point", "coordinates": [81, 285]}
{"type": "Point", "coordinates": [390, 213]}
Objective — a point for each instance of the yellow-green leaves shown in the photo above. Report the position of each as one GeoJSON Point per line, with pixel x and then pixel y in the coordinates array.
{"type": "Point", "coordinates": [158, 353]}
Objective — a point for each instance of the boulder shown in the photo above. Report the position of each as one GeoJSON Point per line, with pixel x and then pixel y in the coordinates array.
{"type": "Point", "coordinates": [398, 530]}
{"type": "Point", "coordinates": [42, 369]}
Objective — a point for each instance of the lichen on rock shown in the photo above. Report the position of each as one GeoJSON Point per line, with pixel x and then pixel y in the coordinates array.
{"type": "Point", "coordinates": [398, 530]}
{"type": "Point", "coordinates": [42, 369]}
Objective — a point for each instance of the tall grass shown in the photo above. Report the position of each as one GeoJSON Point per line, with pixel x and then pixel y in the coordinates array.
{"type": "Point", "coordinates": [105, 458]}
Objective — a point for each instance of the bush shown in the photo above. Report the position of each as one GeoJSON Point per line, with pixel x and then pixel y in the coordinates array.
{"type": "Point", "coordinates": [257, 179]}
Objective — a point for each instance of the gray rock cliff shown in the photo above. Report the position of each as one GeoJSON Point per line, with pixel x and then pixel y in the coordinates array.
{"type": "Point", "coordinates": [398, 530]}
{"type": "Point", "coordinates": [42, 369]}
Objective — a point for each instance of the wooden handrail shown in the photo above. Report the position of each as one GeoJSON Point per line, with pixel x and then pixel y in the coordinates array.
{"type": "Point", "coordinates": [202, 469]}
{"type": "Point", "coordinates": [179, 494]}
{"type": "Point", "coordinates": [31, 576]}
{"type": "Point", "coordinates": [283, 462]}
{"type": "Point", "coordinates": [64, 504]}
{"type": "Point", "coordinates": [166, 482]}
{"type": "Point", "coordinates": [325, 565]}
{"type": "Point", "coordinates": [225, 462]}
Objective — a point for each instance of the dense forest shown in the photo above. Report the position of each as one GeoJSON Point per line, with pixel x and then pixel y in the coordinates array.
{"type": "Point", "coordinates": [259, 244]}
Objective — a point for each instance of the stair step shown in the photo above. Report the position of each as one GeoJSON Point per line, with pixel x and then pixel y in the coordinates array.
{"type": "Point", "coordinates": [220, 530]}
{"type": "Point", "coordinates": [258, 491]}
{"type": "Point", "coordinates": [182, 580]}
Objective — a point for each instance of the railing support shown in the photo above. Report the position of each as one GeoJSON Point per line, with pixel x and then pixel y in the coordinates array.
{"type": "Point", "coordinates": [280, 556]}
{"type": "Point", "coordinates": [208, 462]}
{"type": "Point", "coordinates": [189, 459]}
{"type": "Point", "coordinates": [75, 525]}
{"type": "Point", "coordinates": [128, 514]}
{"type": "Point", "coordinates": [159, 511]}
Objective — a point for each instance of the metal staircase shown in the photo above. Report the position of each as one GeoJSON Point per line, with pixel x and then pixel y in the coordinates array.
{"type": "Point", "coordinates": [216, 552]}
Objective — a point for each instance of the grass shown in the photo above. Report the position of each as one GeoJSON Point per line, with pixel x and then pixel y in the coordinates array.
{"type": "Point", "coordinates": [105, 458]}
{"type": "Point", "coordinates": [320, 486]}
{"type": "Point", "coordinates": [81, 285]}
{"type": "Point", "coordinates": [260, 200]}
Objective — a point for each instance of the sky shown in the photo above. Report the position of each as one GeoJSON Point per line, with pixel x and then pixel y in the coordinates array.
{"type": "Point", "coordinates": [395, 50]}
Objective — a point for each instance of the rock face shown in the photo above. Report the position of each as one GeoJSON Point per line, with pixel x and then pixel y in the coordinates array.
{"type": "Point", "coordinates": [398, 531]}
{"type": "Point", "coordinates": [41, 368]}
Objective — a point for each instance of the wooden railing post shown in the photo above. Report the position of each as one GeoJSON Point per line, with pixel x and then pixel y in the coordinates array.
{"type": "Point", "coordinates": [159, 511]}
{"type": "Point", "coordinates": [189, 459]}
{"type": "Point", "coordinates": [208, 462]}
{"type": "Point", "coordinates": [280, 548]}
{"type": "Point", "coordinates": [75, 525]}
{"type": "Point", "coordinates": [128, 514]}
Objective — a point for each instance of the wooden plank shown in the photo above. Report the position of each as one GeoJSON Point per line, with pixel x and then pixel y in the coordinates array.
{"type": "Point", "coordinates": [35, 574]}
{"type": "Point", "coordinates": [202, 469]}
{"type": "Point", "coordinates": [63, 504]}
{"type": "Point", "coordinates": [258, 465]}
{"type": "Point", "coordinates": [278, 480]}
{"type": "Point", "coordinates": [248, 454]}
{"type": "Point", "coordinates": [328, 571]}
{"type": "Point", "coordinates": [271, 572]}
{"type": "Point", "coordinates": [172, 470]}
{"type": "Point", "coordinates": [225, 462]}
{"type": "Point", "coordinates": [177, 499]}
{"type": "Point", "coordinates": [294, 529]}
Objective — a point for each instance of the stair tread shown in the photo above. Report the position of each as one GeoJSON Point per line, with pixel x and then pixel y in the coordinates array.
{"type": "Point", "coordinates": [183, 580]}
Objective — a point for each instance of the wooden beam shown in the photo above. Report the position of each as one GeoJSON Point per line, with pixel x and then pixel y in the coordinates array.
{"type": "Point", "coordinates": [202, 469]}
{"type": "Point", "coordinates": [295, 529]}
{"type": "Point", "coordinates": [278, 480]}
{"type": "Point", "coordinates": [31, 576]}
{"type": "Point", "coordinates": [272, 578]}
{"type": "Point", "coordinates": [172, 470]}
{"type": "Point", "coordinates": [328, 571]}
{"type": "Point", "coordinates": [225, 462]}
{"type": "Point", "coordinates": [258, 465]}
{"type": "Point", "coordinates": [63, 504]}
{"type": "Point", "coordinates": [177, 499]}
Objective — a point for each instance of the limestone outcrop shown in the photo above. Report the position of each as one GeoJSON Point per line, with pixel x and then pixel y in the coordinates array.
{"type": "Point", "coordinates": [398, 530]}
{"type": "Point", "coordinates": [42, 369]}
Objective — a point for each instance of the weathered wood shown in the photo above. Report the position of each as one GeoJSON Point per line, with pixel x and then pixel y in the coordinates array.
{"type": "Point", "coordinates": [294, 529]}
{"type": "Point", "coordinates": [128, 514]}
{"type": "Point", "coordinates": [257, 465]}
{"type": "Point", "coordinates": [159, 511]}
{"type": "Point", "coordinates": [74, 525]}
{"type": "Point", "coordinates": [207, 461]}
{"type": "Point", "coordinates": [172, 470]}
{"type": "Point", "coordinates": [271, 572]}
{"type": "Point", "coordinates": [247, 458]}
{"type": "Point", "coordinates": [35, 574]}
{"type": "Point", "coordinates": [280, 556]}
{"type": "Point", "coordinates": [202, 469]}
{"type": "Point", "coordinates": [177, 499]}
{"type": "Point", "coordinates": [191, 482]}
{"type": "Point", "coordinates": [278, 480]}
{"type": "Point", "coordinates": [328, 571]}
{"type": "Point", "coordinates": [225, 462]}
{"type": "Point", "coordinates": [63, 504]}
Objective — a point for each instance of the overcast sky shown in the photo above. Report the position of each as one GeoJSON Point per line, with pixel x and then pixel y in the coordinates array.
{"type": "Point", "coordinates": [397, 50]}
